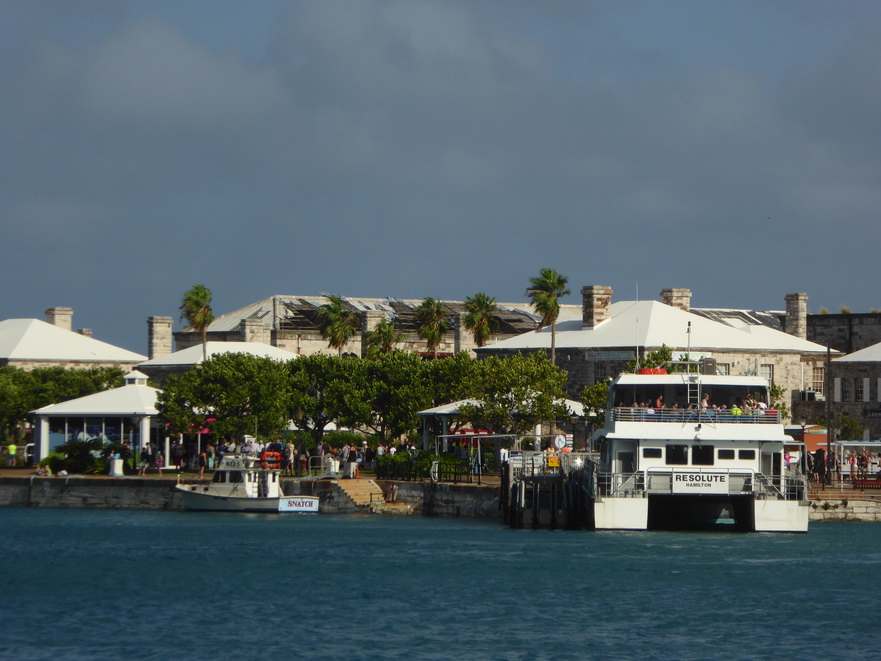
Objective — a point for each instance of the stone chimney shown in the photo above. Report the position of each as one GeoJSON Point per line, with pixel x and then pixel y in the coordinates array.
{"type": "Point", "coordinates": [61, 317]}
{"type": "Point", "coordinates": [370, 319]}
{"type": "Point", "coordinates": [159, 336]}
{"type": "Point", "coordinates": [596, 305]}
{"type": "Point", "coordinates": [253, 330]}
{"type": "Point", "coordinates": [797, 315]}
{"type": "Point", "coordinates": [677, 298]}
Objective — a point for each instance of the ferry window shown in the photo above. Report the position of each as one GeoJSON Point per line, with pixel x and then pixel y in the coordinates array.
{"type": "Point", "coordinates": [726, 454]}
{"type": "Point", "coordinates": [703, 455]}
{"type": "Point", "coordinates": [235, 477]}
{"type": "Point", "coordinates": [219, 476]}
{"type": "Point", "coordinates": [746, 454]}
{"type": "Point", "coordinates": [677, 455]}
{"type": "Point", "coordinates": [651, 453]}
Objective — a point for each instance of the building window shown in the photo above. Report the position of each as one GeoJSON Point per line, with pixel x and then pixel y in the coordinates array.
{"type": "Point", "coordinates": [845, 390]}
{"type": "Point", "coordinates": [858, 390]}
{"type": "Point", "coordinates": [767, 372]}
{"type": "Point", "coordinates": [723, 369]}
{"type": "Point", "coordinates": [818, 379]}
{"type": "Point", "coordinates": [599, 371]}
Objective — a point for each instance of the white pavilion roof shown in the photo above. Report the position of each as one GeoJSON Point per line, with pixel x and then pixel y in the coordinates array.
{"type": "Point", "coordinates": [33, 339]}
{"type": "Point", "coordinates": [194, 356]}
{"type": "Point", "coordinates": [654, 324]}
{"type": "Point", "coordinates": [453, 408]}
{"type": "Point", "coordinates": [134, 398]}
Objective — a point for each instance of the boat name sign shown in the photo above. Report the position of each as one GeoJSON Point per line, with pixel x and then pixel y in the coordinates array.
{"type": "Point", "coordinates": [298, 504]}
{"type": "Point", "coordinates": [700, 483]}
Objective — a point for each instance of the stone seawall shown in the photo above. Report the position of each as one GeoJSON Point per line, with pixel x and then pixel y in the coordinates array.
{"type": "Point", "coordinates": [159, 494]}
{"type": "Point", "coordinates": [844, 508]}
{"type": "Point", "coordinates": [444, 500]}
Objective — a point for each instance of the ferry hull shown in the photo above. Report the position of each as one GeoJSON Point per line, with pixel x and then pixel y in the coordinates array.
{"type": "Point", "coordinates": [742, 514]}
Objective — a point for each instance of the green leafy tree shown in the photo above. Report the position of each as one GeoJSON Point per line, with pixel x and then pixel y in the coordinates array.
{"type": "Point", "coordinates": [382, 339]}
{"type": "Point", "coordinates": [397, 390]}
{"type": "Point", "coordinates": [595, 399]}
{"type": "Point", "coordinates": [17, 397]}
{"type": "Point", "coordinates": [480, 318]}
{"type": "Point", "coordinates": [517, 393]}
{"type": "Point", "coordinates": [657, 358]}
{"type": "Point", "coordinates": [196, 309]}
{"type": "Point", "coordinates": [240, 393]}
{"type": "Point", "coordinates": [327, 389]}
{"type": "Point", "coordinates": [778, 401]}
{"type": "Point", "coordinates": [544, 292]}
{"type": "Point", "coordinates": [433, 319]}
{"type": "Point", "coordinates": [337, 323]}
{"type": "Point", "coordinates": [22, 392]}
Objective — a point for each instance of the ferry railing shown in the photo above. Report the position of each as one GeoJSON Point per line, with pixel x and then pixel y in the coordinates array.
{"type": "Point", "coordinates": [657, 481]}
{"type": "Point", "coordinates": [694, 416]}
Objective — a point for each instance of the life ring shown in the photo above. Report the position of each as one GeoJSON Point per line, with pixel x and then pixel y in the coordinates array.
{"type": "Point", "coordinates": [270, 460]}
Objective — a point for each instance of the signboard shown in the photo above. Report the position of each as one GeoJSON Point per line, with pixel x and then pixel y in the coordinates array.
{"type": "Point", "coordinates": [698, 483]}
{"type": "Point", "coordinates": [560, 441]}
{"type": "Point", "coordinates": [298, 504]}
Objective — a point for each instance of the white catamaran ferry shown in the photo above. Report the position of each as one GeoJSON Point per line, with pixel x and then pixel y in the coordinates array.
{"type": "Point", "coordinates": [690, 450]}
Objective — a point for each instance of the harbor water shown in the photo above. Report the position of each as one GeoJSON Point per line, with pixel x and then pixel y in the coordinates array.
{"type": "Point", "coordinates": [89, 584]}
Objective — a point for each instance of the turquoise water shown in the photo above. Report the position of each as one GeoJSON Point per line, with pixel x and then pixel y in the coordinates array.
{"type": "Point", "coordinates": [85, 584]}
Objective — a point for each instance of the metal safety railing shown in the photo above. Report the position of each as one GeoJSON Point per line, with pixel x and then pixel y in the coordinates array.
{"type": "Point", "coordinates": [688, 416]}
{"type": "Point", "coordinates": [731, 482]}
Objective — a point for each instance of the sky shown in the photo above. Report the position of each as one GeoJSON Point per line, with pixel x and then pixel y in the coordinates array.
{"type": "Point", "coordinates": [419, 148]}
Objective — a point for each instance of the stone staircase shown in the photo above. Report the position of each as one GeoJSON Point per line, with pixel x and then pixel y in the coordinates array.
{"type": "Point", "coordinates": [362, 492]}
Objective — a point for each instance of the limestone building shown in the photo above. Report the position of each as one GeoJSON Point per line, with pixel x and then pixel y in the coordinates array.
{"type": "Point", "coordinates": [597, 341]}
{"type": "Point", "coordinates": [31, 343]}
{"type": "Point", "coordinates": [291, 323]}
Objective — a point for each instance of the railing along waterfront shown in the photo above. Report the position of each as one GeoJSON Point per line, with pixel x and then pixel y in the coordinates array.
{"type": "Point", "coordinates": [737, 482]}
{"type": "Point", "coordinates": [685, 416]}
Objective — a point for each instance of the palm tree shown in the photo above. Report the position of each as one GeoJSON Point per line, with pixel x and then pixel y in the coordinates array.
{"type": "Point", "coordinates": [480, 317]}
{"type": "Point", "coordinates": [196, 309]}
{"type": "Point", "coordinates": [382, 339]}
{"type": "Point", "coordinates": [544, 292]}
{"type": "Point", "coordinates": [337, 323]}
{"type": "Point", "coordinates": [433, 320]}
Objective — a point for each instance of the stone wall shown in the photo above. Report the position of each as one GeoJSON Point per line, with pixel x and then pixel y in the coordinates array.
{"type": "Point", "coordinates": [845, 509]}
{"type": "Point", "coordinates": [845, 332]}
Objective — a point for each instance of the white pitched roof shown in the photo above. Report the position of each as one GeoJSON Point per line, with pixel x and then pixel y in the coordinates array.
{"type": "Point", "coordinates": [654, 324]}
{"type": "Point", "coordinates": [193, 355]}
{"type": "Point", "coordinates": [32, 339]}
{"type": "Point", "coordinates": [132, 399]}
{"type": "Point", "coordinates": [454, 408]}
{"type": "Point", "coordinates": [870, 354]}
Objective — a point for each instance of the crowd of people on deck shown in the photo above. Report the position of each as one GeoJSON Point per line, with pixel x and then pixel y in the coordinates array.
{"type": "Point", "coordinates": [748, 405]}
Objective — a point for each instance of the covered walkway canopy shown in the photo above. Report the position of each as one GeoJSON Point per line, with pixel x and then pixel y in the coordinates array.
{"type": "Point", "coordinates": [447, 411]}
